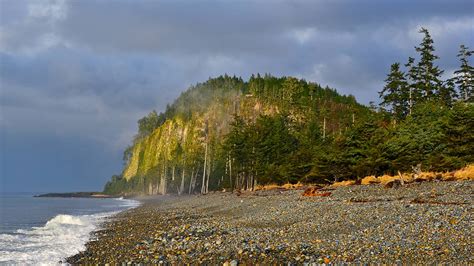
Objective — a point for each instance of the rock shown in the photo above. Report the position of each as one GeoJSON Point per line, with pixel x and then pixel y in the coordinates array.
{"type": "Point", "coordinates": [396, 183]}
{"type": "Point", "coordinates": [311, 190]}
{"type": "Point", "coordinates": [379, 225]}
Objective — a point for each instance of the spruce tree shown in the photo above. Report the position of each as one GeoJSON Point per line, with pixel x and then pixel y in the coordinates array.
{"type": "Point", "coordinates": [464, 77]}
{"type": "Point", "coordinates": [395, 94]}
{"type": "Point", "coordinates": [428, 79]}
{"type": "Point", "coordinates": [447, 93]}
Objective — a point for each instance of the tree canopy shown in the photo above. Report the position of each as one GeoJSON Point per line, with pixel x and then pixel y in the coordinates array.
{"type": "Point", "coordinates": [236, 134]}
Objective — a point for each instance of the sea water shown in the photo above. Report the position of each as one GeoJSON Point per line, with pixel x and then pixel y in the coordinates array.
{"type": "Point", "coordinates": [48, 230]}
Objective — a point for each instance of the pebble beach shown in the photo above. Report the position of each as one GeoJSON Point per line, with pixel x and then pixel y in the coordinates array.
{"type": "Point", "coordinates": [427, 222]}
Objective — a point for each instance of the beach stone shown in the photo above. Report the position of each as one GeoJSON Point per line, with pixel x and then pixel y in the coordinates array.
{"type": "Point", "coordinates": [358, 224]}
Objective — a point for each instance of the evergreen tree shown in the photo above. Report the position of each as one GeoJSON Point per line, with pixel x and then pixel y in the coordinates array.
{"type": "Point", "coordinates": [216, 135]}
{"type": "Point", "coordinates": [447, 93]}
{"type": "Point", "coordinates": [428, 79]}
{"type": "Point", "coordinates": [147, 124]}
{"type": "Point", "coordinates": [395, 94]}
{"type": "Point", "coordinates": [459, 136]}
{"type": "Point", "coordinates": [464, 77]}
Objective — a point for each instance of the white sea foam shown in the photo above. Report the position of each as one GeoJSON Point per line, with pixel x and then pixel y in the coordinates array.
{"type": "Point", "coordinates": [62, 236]}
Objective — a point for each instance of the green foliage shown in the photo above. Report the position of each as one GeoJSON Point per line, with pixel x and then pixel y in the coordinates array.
{"type": "Point", "coordinates": [428, 78]}
{"type": "Point", "coordinates": [459, 137]}
{"type": "Point", "coordinates": [464, 77]}
{"type": "Point", "coordinates": [147, 124]}
{"type": "Point", "coordinates": [395, 92]}
{"type": "Point", "coordinates": [116, 185]}
{"type": "Point", "coordinates": [422, 81]}
{"type": "Point", "coordinates": [230, 133]}
{"type": "Point", "coordinates": [417, 139]}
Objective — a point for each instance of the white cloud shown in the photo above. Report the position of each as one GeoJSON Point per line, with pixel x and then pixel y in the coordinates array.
{"type": "Point", "coordinates": [51, 10]}
{"type": "Point", "coordinates": [37, 30]}
{"type": "Point", "coordinates": [303, 35]}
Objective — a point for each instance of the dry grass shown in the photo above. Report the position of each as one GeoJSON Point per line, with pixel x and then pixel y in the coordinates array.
{"type": "Point", "coordinates": [369, 180]}
{"type": "Point", "coordinates": [448, 176]}
{"type": "Point", "coordinates": [343, 184]}
{"type": "Point", "coordinates": [275, 186]}
{"type": "Point", "coordinates": [267, 187]}
{"type": "Point", "coordinates": [292, 186]}
{"type": "Point", "coordinates": [426, 176]}
{"type": "Point", "coordinates": [387, 178]}
{"type": "Point", "coordinates": [407, 178]}
{"type": "Point", "coordinates": [466, 173]}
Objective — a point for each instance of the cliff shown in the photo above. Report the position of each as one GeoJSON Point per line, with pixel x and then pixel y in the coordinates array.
{"type": "Point", "coordinates": [185, 148]}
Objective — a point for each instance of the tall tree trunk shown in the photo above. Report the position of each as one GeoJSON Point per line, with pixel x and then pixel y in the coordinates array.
{"type": "Point", "coordinates": [230, 173]}
{"type": "Point", "coordinates": [172, 174]}
{"type": "Point", "coordinates": [195, 180]}
{"type": "Point", "coordinates": [158, 182]}
{"type": "Point", "coordinates": [251, 183]}
{"type": "Point", "coordinates": [410, 101]}
{"type": "Point", "coordinates": [208, 174]}
{"type": "Point", "coordinates": [181, 189]}
{"type": "Point", "coordinates": [163, 180]}
{"type": "Point", "coordinates": [237, 176]}
{"type": "Point", "coordinates": [225, 172]}
{"type": "Point", "coordinates": [203, 191]}
{"type": "Point", "coordinates": [324, 128]}
{"type": "Point", "coordinates": [466, 95]}
{"type": "Point", "coordinates": [160, 187]}
{"type": "Point", "coordinates": [255, 184]}
{"type": "Point", "coordinates": [191, 188]}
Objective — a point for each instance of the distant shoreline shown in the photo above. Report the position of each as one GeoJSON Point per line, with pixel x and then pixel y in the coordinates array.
{"type": "Point", "coordinates": [94, 195]}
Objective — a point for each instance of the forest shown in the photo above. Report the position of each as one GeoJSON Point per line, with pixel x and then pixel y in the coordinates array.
{"type": "Point", "coordinates": [227, 133]}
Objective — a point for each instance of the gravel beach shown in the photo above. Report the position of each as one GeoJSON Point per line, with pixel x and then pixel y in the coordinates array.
{"type": "Point", "coordinates": [428, 222]}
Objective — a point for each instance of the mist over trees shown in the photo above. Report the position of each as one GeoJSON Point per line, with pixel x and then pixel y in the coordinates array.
{"type": "Point", "coordinates": [234, 134]}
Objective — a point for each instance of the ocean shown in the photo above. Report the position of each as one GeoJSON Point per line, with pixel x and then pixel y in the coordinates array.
{"type": "Point", "coordinates": [46, 230]}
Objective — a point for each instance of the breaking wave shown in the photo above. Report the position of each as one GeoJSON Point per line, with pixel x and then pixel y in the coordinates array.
{"type": "Point", "coordinates": [62, 236]}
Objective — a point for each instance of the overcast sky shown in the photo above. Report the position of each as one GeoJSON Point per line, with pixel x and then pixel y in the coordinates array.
{"type": "Point", "coordinates": [75, 76]}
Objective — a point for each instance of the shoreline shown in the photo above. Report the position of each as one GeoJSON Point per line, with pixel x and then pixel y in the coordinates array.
{"type": "Point", "coordinates": [94, 195]}
{"type": "Point", "coordinates": [425, 222]}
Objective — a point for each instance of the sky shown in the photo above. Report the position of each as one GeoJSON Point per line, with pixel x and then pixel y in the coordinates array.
{"type": "Point", "coordinates": [75, 76]}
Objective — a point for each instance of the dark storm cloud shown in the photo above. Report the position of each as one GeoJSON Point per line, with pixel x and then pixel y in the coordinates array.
{"type": "Point", "coordinates": [89, 69]}
{"type": "Point", "coordinates": [236, 26]}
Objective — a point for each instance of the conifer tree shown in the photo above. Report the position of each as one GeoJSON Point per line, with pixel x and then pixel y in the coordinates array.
{"type": "Point", "coordinates": [447, 93]}
{"type": "Point", "coordinates": [464, 77]}
{"type": "Point", "coordinates": [395, 94]}
{"type": "Point", "coordinates": [428, 79]}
